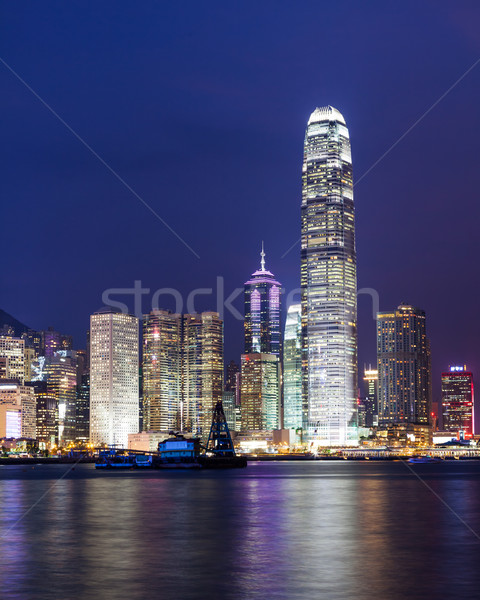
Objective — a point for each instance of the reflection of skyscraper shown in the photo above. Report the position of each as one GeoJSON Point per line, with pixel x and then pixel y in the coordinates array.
{"type": "Point", "coordinates": [403, 358]}
{"type": "Point", "coordinates": [292, 369]}
{"type": "Point", "coordinates": [329, 281]}
{"type": "Point", "coordinates": [262, 312]}
{"type": "Point", "coordinates": [113, 377]}
{"type": "Point", "coordinates": [457, 401]}
{"type": "Point", "coordinates": [161, 371]}
{"type": "Point", "coordinates": [202, 370]}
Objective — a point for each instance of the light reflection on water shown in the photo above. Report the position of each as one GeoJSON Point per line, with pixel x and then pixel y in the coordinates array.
{"type": "Point", "coordinates": [274, 530]}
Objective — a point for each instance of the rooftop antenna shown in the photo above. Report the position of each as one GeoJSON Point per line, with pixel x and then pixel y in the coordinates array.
{"type": "Point", "coordinates": [262, 261]}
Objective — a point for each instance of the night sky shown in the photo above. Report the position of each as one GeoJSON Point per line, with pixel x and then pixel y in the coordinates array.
{"type": "Point", "coordinates": [201, 108]}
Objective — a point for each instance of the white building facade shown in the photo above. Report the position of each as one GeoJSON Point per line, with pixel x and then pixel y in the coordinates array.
{"type": "Point", "coordinates": [114, 370]}
{"type": "Point", "coordinates": [329, 282]}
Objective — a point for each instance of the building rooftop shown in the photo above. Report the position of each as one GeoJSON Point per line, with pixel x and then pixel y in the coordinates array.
{"type": "Point", "coordinates": [326, 113]}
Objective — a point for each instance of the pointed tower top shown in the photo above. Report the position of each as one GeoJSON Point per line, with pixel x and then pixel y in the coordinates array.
{"type": "Point", "coordinates": [262, 259]}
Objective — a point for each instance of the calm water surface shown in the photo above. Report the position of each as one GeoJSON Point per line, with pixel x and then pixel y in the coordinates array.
{"type": "Point", "coordinates": [274, 530]}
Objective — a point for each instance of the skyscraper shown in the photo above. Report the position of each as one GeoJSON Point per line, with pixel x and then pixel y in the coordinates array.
{"type": "Point", "coordinates": [114, 393]}
{"type": "Point", "coordinates": [262, 311]}
{"type": "Point", "coordinates": [457, 401]}
{"type": "Point", "coordinates": [370, 377]}
{"type": "Point", "coordinates": [82, 408]}
{"type": "Point", "coordinates": [202, 370]}
{"type": "Point", "coordinates": [293, 416]}
{"type": "Point", "coordinates": [12, 350]}
{"type": "Point", "coordinates": [61, 374]}
{"type": "Point", "coordinates": [329, 282]}
{"type": "Point", "coordinates": [403, 360]}
{"type": "Point", "coordinates": [162, 365]}
{"type": "Point", "coordinates": [46, 413]}
{"type": "Point", "coordinates": [260, 407]}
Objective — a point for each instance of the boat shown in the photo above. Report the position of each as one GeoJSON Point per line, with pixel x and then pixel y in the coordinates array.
{"type": "Point", "coordinates": [424, 459]}
{"type": "Point", "coordinates": [179, 452]}
{"type": "Point", "coordinates": [111, 460]}
{"type": "Point", "coordinates": [143, 461]}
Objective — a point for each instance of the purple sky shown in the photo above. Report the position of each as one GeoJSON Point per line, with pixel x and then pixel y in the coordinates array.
{"type": "Point", "coordinates": [201, 108]}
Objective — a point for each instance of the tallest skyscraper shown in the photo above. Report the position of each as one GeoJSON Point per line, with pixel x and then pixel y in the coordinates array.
{"type": "Point", "coordinates": [329, 282]}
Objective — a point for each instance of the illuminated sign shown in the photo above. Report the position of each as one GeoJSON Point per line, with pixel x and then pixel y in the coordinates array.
{"type": "Point", "coordinates": [457, 369]}
{"type": "Point", "coordinates": [13, 427]}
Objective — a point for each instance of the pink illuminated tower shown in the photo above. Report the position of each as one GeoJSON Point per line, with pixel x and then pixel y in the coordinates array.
{"type": "Point", "coordinates": [262, 311]}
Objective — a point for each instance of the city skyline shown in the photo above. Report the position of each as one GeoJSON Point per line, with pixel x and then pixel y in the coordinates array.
{"type": "Point", "coordinates": [149, 154]}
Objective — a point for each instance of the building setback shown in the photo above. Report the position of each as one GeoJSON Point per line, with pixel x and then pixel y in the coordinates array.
{"type": "Point", "coordinates": [403, 363]}
{"type": "Point", "coordinates": [328, 282]}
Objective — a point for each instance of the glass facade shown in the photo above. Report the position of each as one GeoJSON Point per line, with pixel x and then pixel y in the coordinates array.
{"type": "Point", "coordinates": [260, 407]}
{"type": "Point", "coordinates": [329, 282]}
{"type": "Point", "coordinates": [262, 312]}
{"type": "Point", "coordinates": [292, 369]}
{"type": "Point", "coordinates": [403, 362]}
{"type": "Point", "coordinates": [61, 375]}
{"type": "Point", "coordinates": [202, 370]}
{"type": "Point", "coordinates": [161, 371]}
{"type": "Point", "coordinates": [457, 401]}
{"type": "Point", "coordinates": [370, 377]}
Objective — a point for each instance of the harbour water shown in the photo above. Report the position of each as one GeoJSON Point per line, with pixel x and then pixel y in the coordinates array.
{"type": "Point", "coordinates": [305, 530]}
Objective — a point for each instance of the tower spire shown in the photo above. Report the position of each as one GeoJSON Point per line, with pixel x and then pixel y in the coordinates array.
{"type": "Point", "coordinates": [262, 259]}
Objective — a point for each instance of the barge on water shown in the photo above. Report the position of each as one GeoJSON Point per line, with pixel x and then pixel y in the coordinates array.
{"type": "Point", "coordinates": [115, 459]}
{"type": "Point", "coordinates": [180, 452]}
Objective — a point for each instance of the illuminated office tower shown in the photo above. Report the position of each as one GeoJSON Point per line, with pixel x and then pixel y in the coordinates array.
{"type": "Point", "coordinates": [202, 373]}
{"type": "Point", "coordinates": [161, 370]}
{"type": "Point", "coordinates": [232, 380]}
{"type": "Point", "coordinates": [61, 376]}
{"type": "Point", "coordinates": [46, 414]}
{"type": "Point", "coordinates": [12, 350]}
{"type": "Point", "coordinates": [30, 359]}
{"type": "Point", "coordinates": [260, 399]}
{"type": "Point", "coordinates": [457, 401]}
{"type": "Point", "coordinates": [403, 361]}
{"type": "Point", "coordinates": [262, 312]}
{"type": "Point", "coordinates": [370, 377]}
{"type": "Point", "coordinates": [114, 394]}
{"type": "Point", "coordinates": [82, 408]}
{"type": "Point", "coordinates": [17, 410]}
{"type": "Point", "coordinates": [293, 415]}
{"type": "Point", "coordinates": [54, 341]}
{"type": "Point", "coordinates": [329, 282]}
{"type": "Point", "coordinates": [229, 408]}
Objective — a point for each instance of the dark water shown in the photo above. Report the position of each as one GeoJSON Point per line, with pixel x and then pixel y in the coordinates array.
{"type": "Point", "coordinates": [274, 530]}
